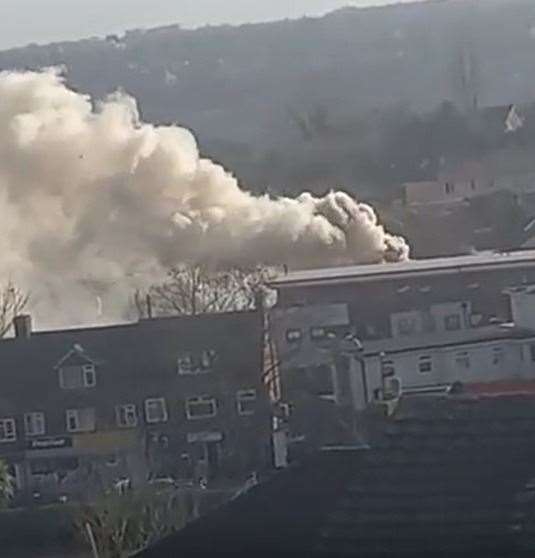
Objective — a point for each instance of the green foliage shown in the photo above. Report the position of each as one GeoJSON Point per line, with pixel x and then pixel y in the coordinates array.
{"type": "Point", "coordinates": [6, 485]}
{"type": "Point", "coordinates": [123, 524]}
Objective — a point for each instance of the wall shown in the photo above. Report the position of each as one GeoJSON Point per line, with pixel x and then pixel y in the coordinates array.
{"type": "Point", "coordinates": [523, 306]}
{"type": "Point", "coordinates": [135, 362]}
{"type": "Point", "coordinates": [515, 363]}
{"type": "Point", "coordinates": [371, 303]}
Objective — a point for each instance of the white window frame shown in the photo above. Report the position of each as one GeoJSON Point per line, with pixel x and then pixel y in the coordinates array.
{"type": "Point", "coordinates": [31, 420]}
{"type": "Point", "coordinates": [88, 371]}
{"type": "Point", "coordinates": [318, 333]}
{"type": "Point", "coordinates": [88, 376]}
{"type": "Point", "coordinates": [130, 415]}
{"type": "Point", "coordinates": [427, 361]}
{"type": "Point", "coordinates": [245, 395]}
{"type": "Point", "coordinates": [75, 413]}
{"type": "Point", "coordinates": [201, 399]}
{"type": "Point", "coordinates": [187, 363]}
{"type": "Point", "coordinates": [153, 400]}
{"type": "Point", "coordinates": [294, 335]}
{"type": "Point", "coordinates": [9, 430]}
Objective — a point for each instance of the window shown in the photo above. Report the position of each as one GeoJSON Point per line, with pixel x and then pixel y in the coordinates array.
{"type": "Point", "coordinates": [425, 364]}
{"type": "Point", "coordinates": [80, 420]}
{"type": "Point", "coordinates": [293, 335]}
{"type": "Point", "coordinates": [34, 424]}
{"type": "Point", "coordinates": [532, 351]}
{"type": "Point", "coordinates": [497, 355]}
{"type": "Point", "coordinates": [76, 377]}
{"type": "Point", "coordinates": [155, 410]}
{"type": "Point", "coordinates": [246, 401]}
{"type": "Point", "coordinates": [317, 333]}
{"type": "Point", "coordinates": [126, 415]}
{"type": "Point", "coordinates": [387, 368]}
{"type": "Point", "coordinates": [8, 432]}
{"type": "Point", "coordinates": [90, 379]}
{"type": "Point", "coordinates": [190, 363]}
{"type": "Point", "coordinates": [428, 322]}
{"type": "Point", "coordinates": [449, 188]}
{"type": "Point", "coordinates": [462, 360]}
{"type": "Point", "coordinates": [452, 322]}
{"type": "Point", "coordinates": [201, 407]}
{"type": "Point", "coordinates": [406, 326]}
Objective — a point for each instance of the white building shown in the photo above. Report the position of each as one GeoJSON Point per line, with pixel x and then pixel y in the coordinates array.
{"type": "Point", "coordinates": [311, 338]}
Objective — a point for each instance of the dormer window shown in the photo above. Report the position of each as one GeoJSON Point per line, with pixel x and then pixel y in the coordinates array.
{"type": "Point", "coordinates": [318, 333]}
{"type": "Point", "coordinates": [77, 377]}
{"type": "Point", "coordinates": [294, 335]}
{"type": "Point", "coordinates": [76, 370]}
{"type": "Point", "coordinates": [190, 363]}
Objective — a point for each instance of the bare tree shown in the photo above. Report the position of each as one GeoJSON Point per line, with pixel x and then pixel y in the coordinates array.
{"type": "Point", "coordinates": [195, 289]}
{"type": "Point", "coordinates": [12, 302]}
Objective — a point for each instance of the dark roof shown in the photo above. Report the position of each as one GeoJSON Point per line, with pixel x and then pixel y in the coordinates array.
{"type": "Point", "coordinates": [444, 475]}
{"type": "Point", "coordinates": [128, 351]}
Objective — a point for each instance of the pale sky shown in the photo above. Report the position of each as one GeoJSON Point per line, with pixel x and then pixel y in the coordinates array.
{"type": "Point", "coordinates": [42, 21]}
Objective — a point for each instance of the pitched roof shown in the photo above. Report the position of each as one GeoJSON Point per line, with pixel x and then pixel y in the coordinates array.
{"type": "Point", "coordinates": [128, 351]}
{"type": "Point", "coordinates": [444, 474]}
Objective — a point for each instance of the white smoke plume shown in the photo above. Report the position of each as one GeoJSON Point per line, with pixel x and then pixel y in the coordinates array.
{"type": "Point", "coordinates": [93, 201]}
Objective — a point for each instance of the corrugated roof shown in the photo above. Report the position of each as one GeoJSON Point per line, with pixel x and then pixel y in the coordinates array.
{"type": "Point", "coordinates": [454, 264]}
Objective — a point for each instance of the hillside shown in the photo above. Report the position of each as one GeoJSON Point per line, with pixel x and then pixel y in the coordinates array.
{"type": "Point", "coordinates": [263, 98]}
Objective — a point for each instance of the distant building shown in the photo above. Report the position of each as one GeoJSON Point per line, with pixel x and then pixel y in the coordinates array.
{"type": "Point", "coordinates": [179, 397]}
{"type": "Point", "coordinates": [509, 168]}
{"type": "Point", "coordinates": [347, 337]}
{"type": "Point", "coordinates": [464, 181]}
{"type": "Point", "coordinates": [413, 297]}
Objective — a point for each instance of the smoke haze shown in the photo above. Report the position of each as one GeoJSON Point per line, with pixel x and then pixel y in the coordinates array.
{"type": "Point", "coordinates": [93, 203]}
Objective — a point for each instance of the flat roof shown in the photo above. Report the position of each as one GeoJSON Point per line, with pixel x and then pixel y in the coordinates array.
{"type": "Point", "coordinates": [431, 266]}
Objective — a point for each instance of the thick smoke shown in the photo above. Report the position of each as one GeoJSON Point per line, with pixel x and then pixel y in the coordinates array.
{"type": "Point", "coordinates": [93, 202]}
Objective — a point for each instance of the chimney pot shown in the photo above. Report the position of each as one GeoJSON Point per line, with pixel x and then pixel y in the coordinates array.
{"type": "Point", "coordinates": [23, 326]}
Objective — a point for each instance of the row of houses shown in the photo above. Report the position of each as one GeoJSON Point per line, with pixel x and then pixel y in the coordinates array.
{"type": "Point", "coordinates": [214, 398]}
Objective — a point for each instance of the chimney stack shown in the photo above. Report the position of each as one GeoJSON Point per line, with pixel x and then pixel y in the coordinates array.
{"type": "Point", "coordinates": [23, 326]}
